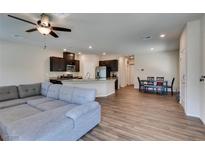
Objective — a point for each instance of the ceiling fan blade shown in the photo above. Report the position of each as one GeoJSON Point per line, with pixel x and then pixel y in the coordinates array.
{"type": "Point", "coordinates": [61, 29]}
{"type": "Point", "coordinates": [31, 30]}
{"type": "Point", "coordinates": [22, 19]}
{"type": "Point", "coordinates": [53, 34]}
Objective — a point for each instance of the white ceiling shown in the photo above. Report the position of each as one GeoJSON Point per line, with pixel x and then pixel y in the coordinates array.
{"type": "Point", "coordinates": [110, 33]}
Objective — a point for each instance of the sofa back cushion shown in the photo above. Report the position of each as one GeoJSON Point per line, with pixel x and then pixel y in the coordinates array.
{"type": "Point", "coordinates": [44, 88]}
{"type": "Point", "coordinates": [66, 94]}
{"type": "Point", "coordinates": [53, 91]}
{"type": "Point", "coordinates": [8, 93]}
{"type": "Point", "coordinates": [29, 90]}
{"type": "Point", "coordinates": [83, 95]}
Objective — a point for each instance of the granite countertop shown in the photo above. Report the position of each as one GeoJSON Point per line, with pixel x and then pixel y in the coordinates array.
{"type": "Point", "coordinates": [89, 80]}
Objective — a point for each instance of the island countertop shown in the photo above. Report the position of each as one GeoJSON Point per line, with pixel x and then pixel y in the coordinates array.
{"type": "Point", "coordinates": [88, 80]}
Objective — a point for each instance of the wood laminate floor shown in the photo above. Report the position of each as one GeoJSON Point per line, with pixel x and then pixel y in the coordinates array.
{"type": "Point", "coordinates": [131, 115]}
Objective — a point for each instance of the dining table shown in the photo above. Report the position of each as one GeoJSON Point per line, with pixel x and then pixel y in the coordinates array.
{"type": "Point", "coordinates": [152, 84]}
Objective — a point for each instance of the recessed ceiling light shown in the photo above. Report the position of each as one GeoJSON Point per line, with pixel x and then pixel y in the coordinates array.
{"type": "Point", "coordinates": [151, 49]}
{"type": "Point", "coordinates": [162, 35]}
{"type": "Point", "coordinates": [90, 47]}
{"type": "Point", "coordinates": [64, 49]}
{"type": "Point", "coordinates": [104, 53]}
{"type": "Point", "coordinates": [79, 53]}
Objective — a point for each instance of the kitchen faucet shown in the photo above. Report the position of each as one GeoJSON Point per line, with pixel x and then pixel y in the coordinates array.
{"type": "Point", "coordinates": [87, 76]}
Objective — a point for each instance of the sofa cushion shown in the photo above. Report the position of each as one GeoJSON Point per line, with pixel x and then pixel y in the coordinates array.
{"type": "Point", "coordinates": [80, 110]}
{"type": "Point", "coordinates": [12, 114]}
{"type": "Point", "coordinates": [44, 88]}
{"type": "Point", "coordinates": [17, 112]}
{"type": "Point", "coordinates": [25, 100]}
{"type": "Point", "coordinates": [54, 90]}
{"type": "Point", "coordinates": [14, 102]}
{"type": "Point", "coordinates": [39, 101]}
{"type": "Point", "coordinates": [11, 103]}
{"type": "Point", "coordinates": [83, 95]}
{"type": "Point", "coordinates": [53, 105]}
{"type": "Point", "coordinates": [8, 93]}
{"type": "Point", "coordinates": [41, 126]}
{"type": "Point", "coordinates": [66, 93]}
{"type": "Point", "coordinates": [29, 90]}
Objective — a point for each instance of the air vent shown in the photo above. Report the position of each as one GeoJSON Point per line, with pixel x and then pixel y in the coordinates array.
{"type": "Point", "coordinates": [18, 36]}
{"type": "Point", "coordinates": [146, 37]}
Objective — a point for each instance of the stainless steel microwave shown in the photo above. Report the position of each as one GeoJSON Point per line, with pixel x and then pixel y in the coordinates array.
{"type": "Point", "coordinates": [70, 68]}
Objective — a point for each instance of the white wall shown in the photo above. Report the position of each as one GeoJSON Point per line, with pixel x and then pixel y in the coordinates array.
{"type": "Point", "coordinates": [88, 63]}
{"type": "Point", "coordinates": [21, 64]}
{"type": "Point", "coordinates": [182, 67]}
{"type": "Point", "coordinates": [157, 64]}
{"type": "Point", "coordinates": [123, 80]}
{"type": "Point", "coordinates": [109, 57]}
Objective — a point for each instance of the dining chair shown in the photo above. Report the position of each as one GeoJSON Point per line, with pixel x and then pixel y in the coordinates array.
{"type": "Point", "coordinates": [171, 86]}
{"type": "Point", "coordinates": [160, 84]}
{"type": "Point", "coordinates": [150, 84]}
{"type": "Point", "coordinates": [150, 80]}
{"type": "Point", "coordinates": [141, 85]}
{"type": "Point", "coordinates": [159, 81]}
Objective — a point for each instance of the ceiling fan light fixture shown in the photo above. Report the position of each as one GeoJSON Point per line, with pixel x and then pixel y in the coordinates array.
{"type": "Point", "coordinates": [44, 30]}
{"type": "Point", "coordinates": [44, 20]}
{"type": "Point", "coordinates": [43, 26]}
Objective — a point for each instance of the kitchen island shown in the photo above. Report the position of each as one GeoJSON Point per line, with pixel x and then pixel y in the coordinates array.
{"type": "Point", "coordinates": [104, 87]}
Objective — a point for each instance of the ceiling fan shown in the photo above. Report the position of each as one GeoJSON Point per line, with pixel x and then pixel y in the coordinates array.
{"type": "Point", "coordinates": [43, 26]}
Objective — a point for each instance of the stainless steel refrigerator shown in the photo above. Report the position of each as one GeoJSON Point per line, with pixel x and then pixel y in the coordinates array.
{"type": "Point", "coordinates": [101, 72]}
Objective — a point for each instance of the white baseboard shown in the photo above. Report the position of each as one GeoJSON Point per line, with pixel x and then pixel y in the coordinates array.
{"type": "Point", "coordinates": [203, 121]}
{"type": "Point", "coordinates": [106, 95]}
{"type": "Point", "coordinates": [193, 115]}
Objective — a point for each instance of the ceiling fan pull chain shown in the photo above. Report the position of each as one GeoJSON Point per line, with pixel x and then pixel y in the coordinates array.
{"type": "Point", "coordinates": [44, 47]}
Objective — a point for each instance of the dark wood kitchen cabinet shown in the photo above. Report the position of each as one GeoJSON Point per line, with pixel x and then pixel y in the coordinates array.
{"type": "Point", "coordinates": [70, 60]}
{"type": "Point", "coordinates": [57, 64]}
{"type": "Point", "coordinates": [77, 65]}
{"type": "Point", "coordinates": [102, 63]}
{"type": "Point", "coordinates": [68, 56]}
{"type": "Point", "coordinates": [112, 65]}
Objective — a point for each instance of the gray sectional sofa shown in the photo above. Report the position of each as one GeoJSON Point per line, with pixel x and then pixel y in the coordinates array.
{"type": "Point", "coordinates": [47, 112]}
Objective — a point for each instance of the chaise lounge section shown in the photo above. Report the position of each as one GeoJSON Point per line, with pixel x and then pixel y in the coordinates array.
{"type": "Point", "coordinates": [47, 112]}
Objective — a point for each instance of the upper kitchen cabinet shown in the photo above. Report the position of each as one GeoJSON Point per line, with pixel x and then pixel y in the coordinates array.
{"type": "Point", "coordinates": [111, 64]}
{"type": "Point", "coordinates": [102, 63]}
{"type": "Point", "coordinates": [114, 65]}
{"type": "Point", "coordinates": [77, 65]}
{"type": "Point", "coordinates": [68, 56]}
{"type": "Point", "coordinates": [57, 64]}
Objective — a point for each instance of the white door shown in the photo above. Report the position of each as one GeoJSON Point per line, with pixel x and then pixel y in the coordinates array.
{"type": "Point", "coordinates": [203, 88]}
{"type": "Point", "coordinates": [130, 75]}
